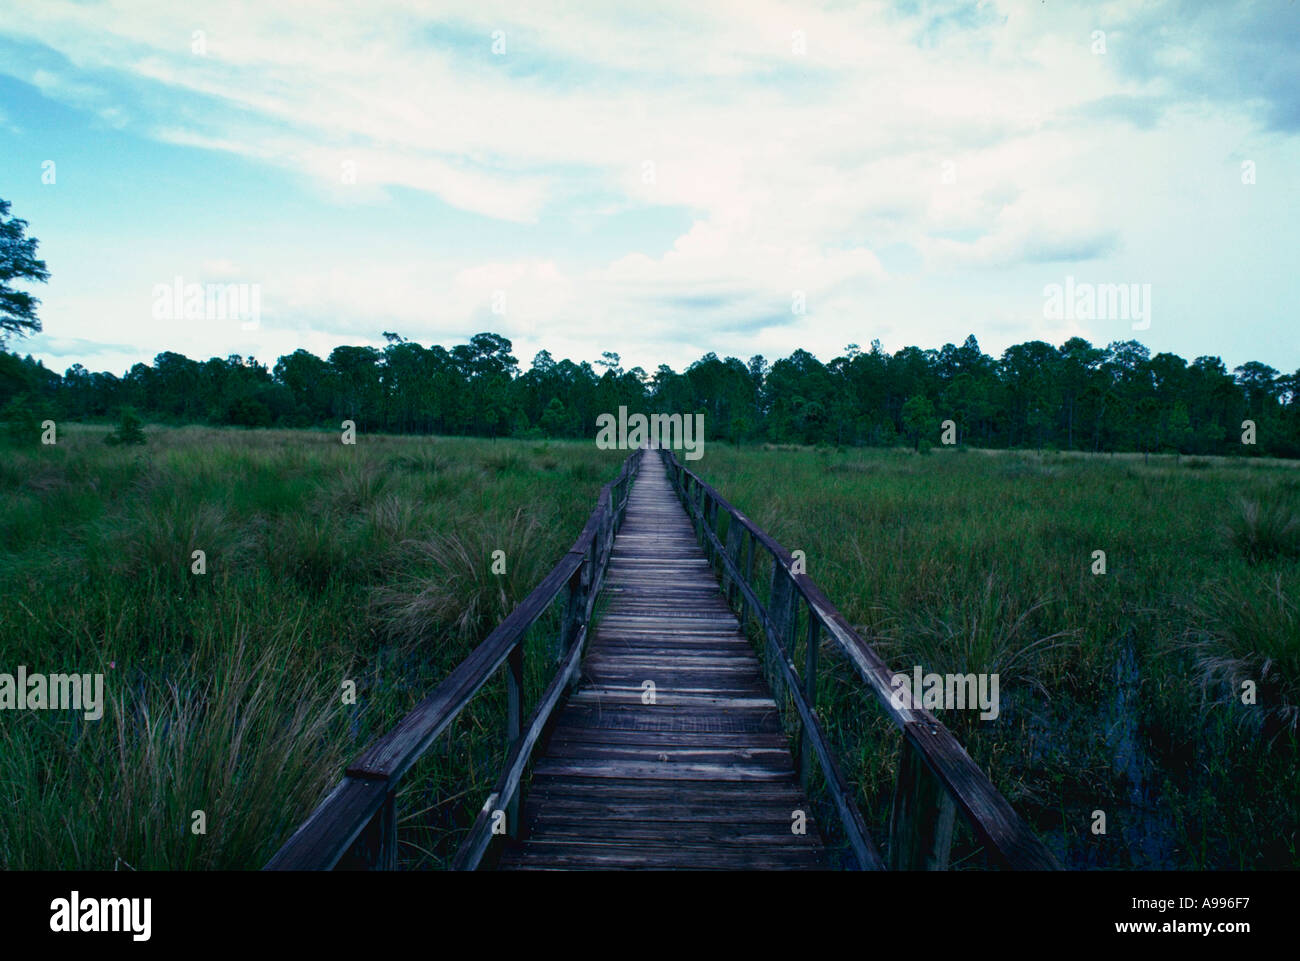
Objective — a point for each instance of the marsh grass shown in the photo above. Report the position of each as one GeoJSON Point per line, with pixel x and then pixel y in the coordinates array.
{"type": "Point", "coordinates": [326, 563]}
{"type": "Point", "coordinates": [1251, 633]}
{"type": "Point", "coordinates": [983, 562]}
{"type": "Point", "coordinates": [1262, 529]}
{"type": "Point", "coordinates": [371, 564]}
{"type": "Point", "coordinates": [447, 587]}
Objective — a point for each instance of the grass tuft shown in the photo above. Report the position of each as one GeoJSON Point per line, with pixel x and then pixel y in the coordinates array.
{"type": "Point", "coordinates": [1262, 531]}
{"type": "Point", "coordinates": [1252, 634]}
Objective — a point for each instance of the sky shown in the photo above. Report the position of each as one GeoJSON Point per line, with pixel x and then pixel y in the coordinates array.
{"type": "Point", "coordinates": [656, 180]}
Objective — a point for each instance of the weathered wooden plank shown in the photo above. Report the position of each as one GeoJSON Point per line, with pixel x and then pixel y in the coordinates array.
{"type": "Point", "coordinates": [776, 756]}
{"type": "Point", "coordinates": [664, 661]}
{"type": "Point", "coordinates": [668, 654]}
{"type": "Point", "coordinates": [769, 833]}
{"type": "Point", "coordinates": [607, 817]}
{"type": "Point", "coordinates": [603, 805]}
{"type": "Point", "coordinates": [994, 821]}
{"type": "Point", "coordinates": [682, 636]}
{"type": "Point", "coordinates": [561, 734]}
{"type": "Point", "coordinates": [324, 838]}
{"type": "Point", "coordinates": [588, 710]}
{"type": "Point", "coordinates": [758, 769]}
{"type": "Point", "coordinates": [391, 755]}
{"type": "Point", "coordinates": [718, 700]}
{"type": "Point", "coordinates": [572, 853]}
{"type": "Point", "coordinates": [507, 786]}
{"type": "Point", "coordinates": [921, 820]}
{"type": "Point", "coordinates": [701, 778]}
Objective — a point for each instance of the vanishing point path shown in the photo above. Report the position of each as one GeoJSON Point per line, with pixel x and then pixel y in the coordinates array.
{"type": "Point", "coordinates": [670, 754]}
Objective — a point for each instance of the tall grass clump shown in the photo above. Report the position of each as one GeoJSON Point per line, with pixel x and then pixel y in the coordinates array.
{"type": "Point", "coordinates": [1251, 634]}
{"type": "Point", "coordinates": [449, 583]}
{"type": "Point", "coordinates": [989, 632]}
{"type": "Point", "coordinates": [1263, 530]}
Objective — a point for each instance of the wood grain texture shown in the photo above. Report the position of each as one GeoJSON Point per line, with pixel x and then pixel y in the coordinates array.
{"type": "Point", "coordinates": [697, 777]}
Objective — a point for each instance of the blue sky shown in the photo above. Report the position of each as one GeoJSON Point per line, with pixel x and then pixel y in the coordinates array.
{"type": "Point", "coordinates": [659, 182]}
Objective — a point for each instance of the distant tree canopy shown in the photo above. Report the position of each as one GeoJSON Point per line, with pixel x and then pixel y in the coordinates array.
{"type": "Point", "coordinates": [1076, 397]}
{"type": "Point", "coordinates": [18, 262]}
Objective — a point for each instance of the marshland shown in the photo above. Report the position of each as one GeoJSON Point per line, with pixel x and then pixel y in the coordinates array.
{"type": "Point", "coordinates": [325, 563]}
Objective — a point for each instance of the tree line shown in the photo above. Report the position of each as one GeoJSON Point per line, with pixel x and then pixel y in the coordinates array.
{"type": "Point", "coordinates": [1036, 395]}
{"type": "Point", "coordinates": [1075, 397]}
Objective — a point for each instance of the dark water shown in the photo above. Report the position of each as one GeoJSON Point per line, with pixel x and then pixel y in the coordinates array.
{"type": "Point", "coordinates": [1145, 824]}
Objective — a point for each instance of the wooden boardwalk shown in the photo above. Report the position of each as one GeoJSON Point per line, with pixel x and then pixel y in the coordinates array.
{"type": "Point", "coordinates": [697, 775]}
{"type": "Point", "coordinates": [670, 753]}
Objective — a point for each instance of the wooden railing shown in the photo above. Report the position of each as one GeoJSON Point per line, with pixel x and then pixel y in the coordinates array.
{"type": "Point", "coordinates": [936, 777]}
{"type": "Point", "coordinates": [356, 825]}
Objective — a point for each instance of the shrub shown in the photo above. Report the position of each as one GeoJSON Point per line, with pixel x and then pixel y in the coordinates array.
{"type": "Point", "coordinates": [22, 417]}
{"type": "Point", "coordinates": [130, 429]}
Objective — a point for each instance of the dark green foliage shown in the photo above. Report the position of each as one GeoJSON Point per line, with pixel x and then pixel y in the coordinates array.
{"type": "Point", "coordinates": [1036, 396]}
{"type": "Point", "coordinates": [129, 429]}
{"type": "Point", "coordinates": [1264, 530]}
{"type": "Point", "coordinates": [918, 419]}
{"type": "Point", "coordinates": [18, 261]}
{"type": "Point", "coordinates": [22, 417]}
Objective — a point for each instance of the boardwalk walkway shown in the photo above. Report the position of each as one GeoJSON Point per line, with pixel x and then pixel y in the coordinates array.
{"type": "Point", "coordinates": [700, 778]}
{"type": "Point", "coordinates": [670, 754]}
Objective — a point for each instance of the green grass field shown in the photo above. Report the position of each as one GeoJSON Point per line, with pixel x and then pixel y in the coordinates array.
{"type": "Point", "coordinates": [370, 563]}
{"type": "Point", "coordinates": [325, 563]}
{"type": "Point", "coordinates": [1119, 691]}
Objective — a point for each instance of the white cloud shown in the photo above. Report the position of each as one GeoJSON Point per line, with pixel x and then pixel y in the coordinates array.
{"type": "Point", "coordinates": [797, 170]}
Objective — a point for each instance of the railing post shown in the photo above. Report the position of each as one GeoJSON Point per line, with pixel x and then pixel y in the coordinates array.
{"type": "Point", "coordinates": [810, 695]}
{"type": "Point", "coordinates": [375, 848]}
{"type": "Point", "coordinates": [780, 607]}
{"type": "Point", "coordinates": [575, 614]}
{"type": "Point", "coordinates": [921, 822]}
{"type": "Point", "coordinates": [596, 560]}
{"type": "Point", "coordinates": [514, 717]}
{"type": "Point", "coordinates": [570, 617]}
{"type": "Point", "coordinates": [706, 524]}
{"type": "Point", "coordinates": [749, 572]}
{"type": "Point", "coordinates": [717, 532]}
{"type": "Point", "coordinates": [733, 552]}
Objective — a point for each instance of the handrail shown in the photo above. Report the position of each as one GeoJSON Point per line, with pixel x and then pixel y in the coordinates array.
{"type": "Point", "coordinates": [356, 825]}
{"type": "Point", "coordinates": [935, 772]}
